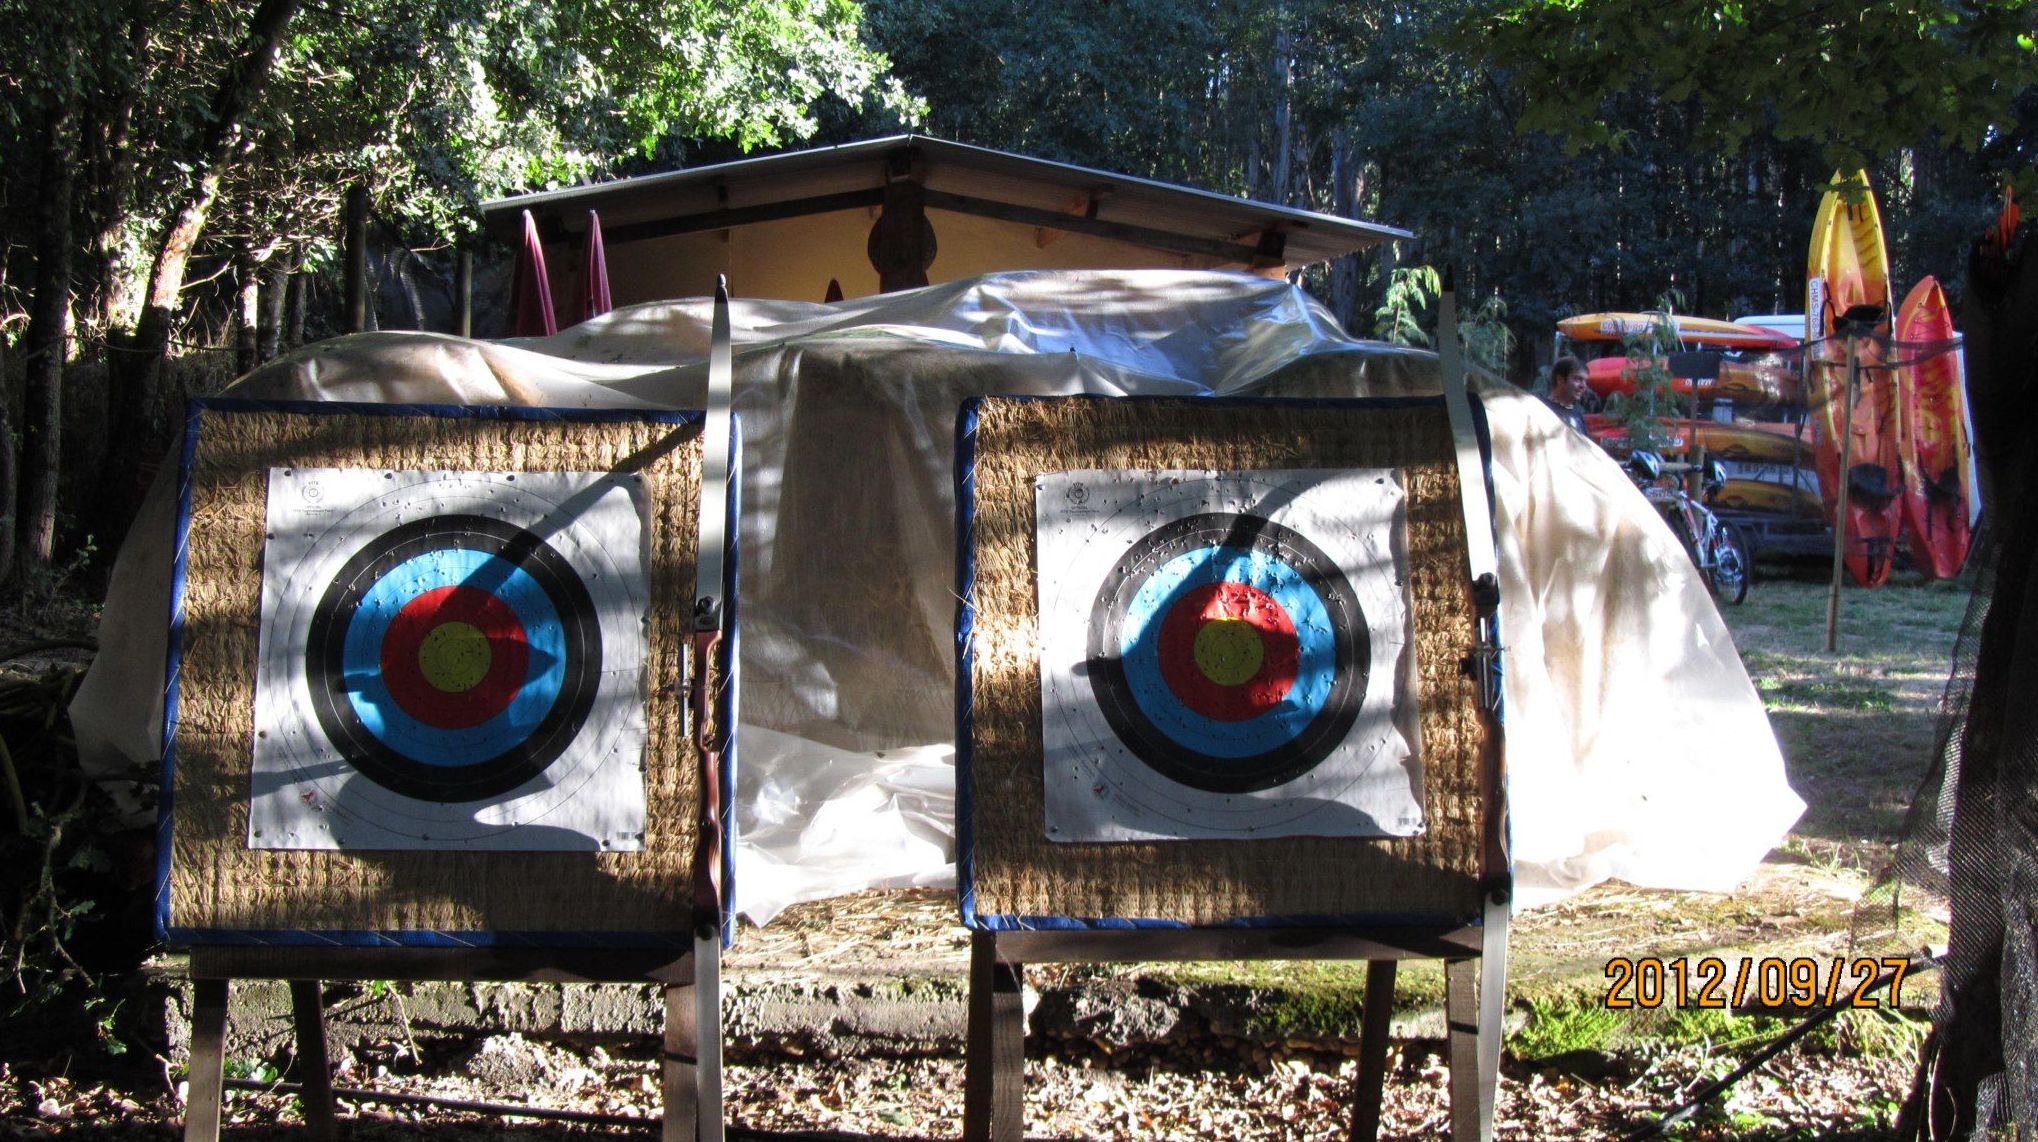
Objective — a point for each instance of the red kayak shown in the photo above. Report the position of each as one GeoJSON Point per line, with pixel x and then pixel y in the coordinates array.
{"type": "Point", "coordinates": [1933, 436]}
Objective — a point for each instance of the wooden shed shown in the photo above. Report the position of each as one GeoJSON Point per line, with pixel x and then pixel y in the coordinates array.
{"type": "Point", "coordinates": [905, 211]}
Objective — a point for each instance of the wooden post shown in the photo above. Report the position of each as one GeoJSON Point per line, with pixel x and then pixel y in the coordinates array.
{"type": "Point", "coordinates": [463, 293]}
{"type": "Point", "coordinates": [1375, 1022]}
{"type": "Point", "coordinates": [1840, 509]}
{"type": "Point", "coordinates": [901, 244]}
{"type": "Point", "coordinates": [208, 1060]}
{"type": "Point", "coordinates": [315, 1069]}
{"type": "Point", "coordinates": [994, 1086]}
{"type": "Point", "coordinates": [1461, 1036]}
{"type": "Point", "coordinates": [357, 258]}
{"type": "Point", "coordinates": [679, 1070]}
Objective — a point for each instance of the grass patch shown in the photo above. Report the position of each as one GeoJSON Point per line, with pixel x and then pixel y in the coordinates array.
{"type": "Point", "coordinates": [1830, 695]}
{"type": "Point", "coordinates": [1331, 1014]}
{"type": "Point", "coordinates": [1564, 1025]}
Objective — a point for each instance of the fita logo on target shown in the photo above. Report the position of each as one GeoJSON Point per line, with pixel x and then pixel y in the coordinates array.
{"type": "Point", "coordinates": [1079, 497]}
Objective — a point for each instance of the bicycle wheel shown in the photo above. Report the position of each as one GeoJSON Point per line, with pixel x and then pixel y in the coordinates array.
{"type": "Point", "coordinates": [1731, 568]}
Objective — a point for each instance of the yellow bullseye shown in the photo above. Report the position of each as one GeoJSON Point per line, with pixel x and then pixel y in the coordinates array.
{"type": "Point", "coordinates": [454, 657]}
{"type": "Point", "coordinates": [1229, 651]}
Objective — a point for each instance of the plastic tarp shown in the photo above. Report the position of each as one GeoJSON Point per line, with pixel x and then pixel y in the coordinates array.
{"type": "Point", "coordinates": [1637, 747]}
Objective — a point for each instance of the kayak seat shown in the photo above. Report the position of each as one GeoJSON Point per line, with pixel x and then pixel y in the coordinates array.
{"type": "Point", "coordinates": [1871, 482]}
{"type": "Point", "coordinates": [1945, 486]}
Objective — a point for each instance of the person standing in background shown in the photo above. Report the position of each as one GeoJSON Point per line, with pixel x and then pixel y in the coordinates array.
{"type": "Point", "coordinates": [1567, 391]}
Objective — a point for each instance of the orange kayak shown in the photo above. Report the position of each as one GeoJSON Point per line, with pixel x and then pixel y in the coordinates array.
{"type": "Point", "coordinates": [1771, 497]}
{"type": "Point", "coordinates": [1848, 265]}
{"type": "Point", "coordinates": [1750, 383]}
{"type": "Point", "coordinates": [1741, 441]}
{"type": "Point", "coordinates": [1932, 436]}
{"type": "Point", "coordinates": [1690, 330]}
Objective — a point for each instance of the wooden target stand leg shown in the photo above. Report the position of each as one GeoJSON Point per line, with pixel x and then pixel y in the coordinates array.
{"type": "Point", "coordinates": [689, 1075]}
{"type": "Point", "coordinates": [994, 1090]}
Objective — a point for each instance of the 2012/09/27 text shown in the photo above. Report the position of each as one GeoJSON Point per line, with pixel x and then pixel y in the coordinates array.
{"type": "Point", "coordinates": [1770, 981]}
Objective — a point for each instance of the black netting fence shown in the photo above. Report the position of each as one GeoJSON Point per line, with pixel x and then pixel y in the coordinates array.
{"type": "Point", "coordinates": [1965, 879]}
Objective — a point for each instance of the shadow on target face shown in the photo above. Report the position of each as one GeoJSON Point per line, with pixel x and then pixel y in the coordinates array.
{"type": "Point", "coordinates": [451, 661]}
{"type": "Point", "coordinates": [1228, 653]}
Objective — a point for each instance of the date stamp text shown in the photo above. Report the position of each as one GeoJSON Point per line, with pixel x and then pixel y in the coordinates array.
{"type": "Point", "coordinates": [1770, 981]}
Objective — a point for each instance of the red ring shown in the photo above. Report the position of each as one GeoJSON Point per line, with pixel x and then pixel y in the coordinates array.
{"type": "Point", "coordinates": [509, 655]}
{"type": "Point", "coordinates": [1281, 657]}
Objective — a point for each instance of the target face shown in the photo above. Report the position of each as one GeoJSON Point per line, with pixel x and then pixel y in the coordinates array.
{"type": "Point", "coordinates": [1223, 655]}
{"type": "Point", "coordinates": [451, 659]}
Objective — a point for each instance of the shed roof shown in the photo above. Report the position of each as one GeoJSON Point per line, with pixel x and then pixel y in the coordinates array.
{"type": "Point", "coordinates": [1014, 188]}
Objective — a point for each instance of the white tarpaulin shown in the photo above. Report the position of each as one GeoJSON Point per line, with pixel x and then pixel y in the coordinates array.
{"type": "Point", "coordinates": [1636, 744]}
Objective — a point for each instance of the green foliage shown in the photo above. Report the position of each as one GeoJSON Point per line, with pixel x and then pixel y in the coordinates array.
{"type": "Point", "coordinates": [1860, 81]}
{"type": "Point", "coordinates": [522, 94]}
{"type": "Point", "coordinates": [1559, 1025]}
{"type": "Point", "coordinates": [1641, 413]}
{"type": "Point", "coordinates": [54, 864]}
{"type": "Point", "coordinates": [1323, 1013]}
{"type": "Point", "coordinates": [1488, 340]}
{"type": "Point", "coordinates": [1410, 292]}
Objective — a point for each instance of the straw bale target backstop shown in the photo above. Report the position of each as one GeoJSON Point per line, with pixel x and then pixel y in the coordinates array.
{"type": "Point", "coordinates": [424, 677]}
{"type": "Point", "coordinates": [1147, 738]}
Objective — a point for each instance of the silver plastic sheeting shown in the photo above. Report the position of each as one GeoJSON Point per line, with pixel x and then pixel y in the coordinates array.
{"type": "Point", "coordinates": [1636, 745]}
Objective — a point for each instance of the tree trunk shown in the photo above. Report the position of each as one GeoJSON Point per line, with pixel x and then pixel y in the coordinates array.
{"type": "Point", "coordinates": [1346, 193]}
{"type": "Point", "coordinates": [132, 407]}
{"type": "Point", "coordinates": [1283, 112]}
{"type": "Point", "coordinates": [109, 178]}
{"type": "Point", "coordinates": [10, 484]}
{"type": "Point", "coordinates": [296, 301]}
{"type": "Point", "coordinates": [247, 313]}
{"type": "Point", "coordinates": [269, 307]}
{"type": "Point", "coordinates": [1984, 1032]}
{"type": "Point", "coordinates": [47, 343]}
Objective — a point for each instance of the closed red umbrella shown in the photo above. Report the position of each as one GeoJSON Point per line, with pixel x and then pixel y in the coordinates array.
{"type": "Point", "coordinates": [595, 276]}
{"type": "Point", "coordinates": [531, 289]}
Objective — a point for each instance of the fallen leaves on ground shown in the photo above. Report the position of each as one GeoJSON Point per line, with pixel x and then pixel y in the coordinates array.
{"type": "Point", "coordinates": [1138, 1096]}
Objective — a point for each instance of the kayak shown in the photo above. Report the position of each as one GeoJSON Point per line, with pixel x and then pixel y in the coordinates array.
{"type": "Point", "coordinates": [1690, 330]}
{"type": "Point", "coordinates": [1848, 265]}
{"type": "Point", "coordinates": [1932, 435]}
{"type": "Point", "coordinates": [1739, 441]}
{"type": "Point", "coordinates": [1801, 501]}
{"type": "Point", "coordinates": [1749, 383]}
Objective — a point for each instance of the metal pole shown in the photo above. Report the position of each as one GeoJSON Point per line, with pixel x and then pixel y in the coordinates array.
{"type": "Point", "coordinates": [1840, 511]}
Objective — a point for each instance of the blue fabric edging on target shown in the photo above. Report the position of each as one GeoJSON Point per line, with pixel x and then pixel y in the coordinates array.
{"type": "Point", "coordinates": [173, 664]}
{"type": "Point", "coordinates": [965, 620]}
{"type": "Point", "coordinates": [452, 411]}
{"type": "Point", "coordinates": [371, 938]}
{"type": "Point", "coordinates": [965, 633]}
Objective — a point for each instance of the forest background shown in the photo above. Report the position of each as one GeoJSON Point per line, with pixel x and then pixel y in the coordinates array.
{"type": "Point", "coordinates": [173, 172]}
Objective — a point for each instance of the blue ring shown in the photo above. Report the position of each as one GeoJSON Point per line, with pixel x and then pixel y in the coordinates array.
{"type": "Point", "coordinates": [1316, 666]}
{"type": "Point", "coordinates": [439, 746]}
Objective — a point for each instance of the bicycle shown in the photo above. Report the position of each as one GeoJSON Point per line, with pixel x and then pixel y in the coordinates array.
{"type": "Point", "coordinates": [1714, 545]}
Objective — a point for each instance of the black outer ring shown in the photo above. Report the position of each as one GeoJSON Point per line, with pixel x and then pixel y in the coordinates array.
{"type": "Point", "coordinates": [1351, 650]}
{"type": "Point", "coordinates": [325, 654]}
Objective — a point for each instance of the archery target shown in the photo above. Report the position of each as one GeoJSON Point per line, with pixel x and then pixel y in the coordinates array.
{"type": "Point", "coordinates": [451, 659]}
{"type": "Point", "coordinates": [1224, 655]}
